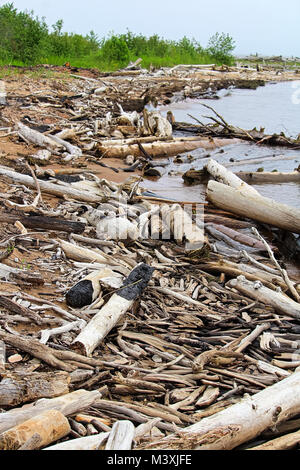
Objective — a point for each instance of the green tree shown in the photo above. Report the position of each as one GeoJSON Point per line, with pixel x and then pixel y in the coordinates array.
{"type": "Point", "coordinates": [221, 47]}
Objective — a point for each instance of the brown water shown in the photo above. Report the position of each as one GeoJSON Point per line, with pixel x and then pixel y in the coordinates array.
{"type": "Point", "coordinates": [273, 108]}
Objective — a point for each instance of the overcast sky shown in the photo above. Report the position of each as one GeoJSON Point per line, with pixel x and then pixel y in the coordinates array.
{"type": "Point", "coordinates": [269, 27]}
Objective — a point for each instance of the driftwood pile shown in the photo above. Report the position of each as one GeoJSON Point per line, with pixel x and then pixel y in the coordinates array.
{"type": "Point", "coordinates": [128, 321]}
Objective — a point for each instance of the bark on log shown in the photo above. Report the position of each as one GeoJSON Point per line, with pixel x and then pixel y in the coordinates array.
{"type": "Point", "coordinates": [87, 290]}
{"type": "Point", "coordinates": [50, 425]}
{"type": "Point", "coordinates": [102, 323]}
{"type": "Point", "coordinates": [20, 388]}
{"type": "Point", "coordinates": [255, 207]}
{"type": "Point", "coordinates": [67, 404]}
{"type": "Point", "coordinates": [46, 223]}
{"type": "Point", "coordinates": [279, 301]}
{"type": "Point", "coordinates": [241, 422]}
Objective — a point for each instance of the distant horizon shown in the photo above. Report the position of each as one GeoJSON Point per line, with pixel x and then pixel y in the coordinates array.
{"type": "Point", "coordinates": [265, 28]}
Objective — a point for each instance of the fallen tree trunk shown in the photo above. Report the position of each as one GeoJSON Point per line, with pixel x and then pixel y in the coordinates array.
{"type": "Point", "coordinates": [221, 174]}
{"type": "Point", "coordinates": [44, 222]}
{"type": "Point", "coordinates": [81, 254]}
{"type": "Point", "coordinates": [269, 177]}
{"type": "Point", "coordinates": [254, 206]}
{"type": "Point", "coordinates": [155, 149]}
{"type": "Point", "coordinates": [102, 323]}
{"type": "Point", "coordinates": [20, 388]}
{"type": "Point", "coordinates": [239, 423]}
{"type": "Point", "coordinates": [82, 443]}
{"type": "Point", "coordinates": [279, 301]}
{"type": "Point", "coordinates": [36, 138]}
{"type": "Point", "coordinates": [51, 188]}
{"type": "Point", "coordinates": [50, 426]}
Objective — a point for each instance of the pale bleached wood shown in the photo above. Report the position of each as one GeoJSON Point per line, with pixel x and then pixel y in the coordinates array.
{"type": "Point", "coordinates": [79, 253]}
{"type": "Point", "coordinates": [121, 436]}
{"type": "Point", "coordinates": [82, 443]}
{"type": "Point", "coordinates": [257, 291]}
{"type": "Point", "coordinates": [155, 149]}
{"type": "Point", "coordinates": [51, 188]}
{"type": "Point", "coordinates": [50, 425]}
{"type": "Point", "coordinates": [109, 315]}
{"type": "Point", "coordinates": [255, 207]}
{"type": "Point", "coordinates": [2, 355]}
{"type": "Point", "coordinates": [68, 404]}
{"type": "Point", "coordinates": [36, 138]}
{"type": "Point", "coordinates": [221, 174]}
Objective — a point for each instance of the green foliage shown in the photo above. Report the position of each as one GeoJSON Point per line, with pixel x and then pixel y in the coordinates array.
{"type": "Point", "coordinates": [26, 39]}
{"type": "Point", "coordinates": [115, 50]}
{"type": "Point", "coordinates": [221, 46]}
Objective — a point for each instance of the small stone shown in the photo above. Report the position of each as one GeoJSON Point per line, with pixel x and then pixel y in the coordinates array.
{"type": "Point", "coordinates": [15, 358]}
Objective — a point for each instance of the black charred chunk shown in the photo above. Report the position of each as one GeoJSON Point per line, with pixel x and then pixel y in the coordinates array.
{"type": "Point", "coordinates": [81, 294]}
{"type": "Point", "coordinates": [136, 282]}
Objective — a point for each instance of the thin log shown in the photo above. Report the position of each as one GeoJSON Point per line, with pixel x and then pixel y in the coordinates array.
{"type": "Point", "coordinates": [44, 222]}
{"type": "Point", "coordinates": [2, 356]}
{"type": "Point", "coordinates": [257, 291]}
{"type": "Point", "coordinates": [51, 188]}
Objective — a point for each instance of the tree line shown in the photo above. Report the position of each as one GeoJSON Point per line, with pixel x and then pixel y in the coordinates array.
{"type": "Point", "coordinates": [26, 39]}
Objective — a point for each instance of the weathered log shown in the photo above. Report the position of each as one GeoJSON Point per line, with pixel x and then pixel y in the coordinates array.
{"type": "Point", "coordinates": [13, 306]}
{"type": "Point", "coordinates": [44, 222]}
{"type": "Point", "coordinates": [36, 138]}
{"type": "Point", "coordinates": [102, 323]}
{"type": "Point", "coordinates": [240, 422]}
{"type": "Point", "coordinates": [274, 177]}
{"type": "Point", "coordinates": [286, 442]}
{"type": "Point", "coordinates": [51, 188]}
{"type": "Point", "coordinates": [36, 349]}
{"type": "Point", "coordinates": [156, 149]}
{"type": "Point", "coordinates": [50, 425]}
{"type": "Point", "coordinates": [79, 253]}
{"type": "Point", "coordinates": [68, 404]}
{"type": "Point", "coordinates": [255, 207]}
{"type": "Point", "coordinates": [121, 436]}
{"type": "Point", "coordinates": [82, 443]}
{"type": "Point", "coordinates": [2, 355]}
{"type": "Point", "coordinates": [21, 388]}
{"type": "Point", "coordinates": [257, 291]}
{"type": "Point", "coordinates": [221, 174]}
